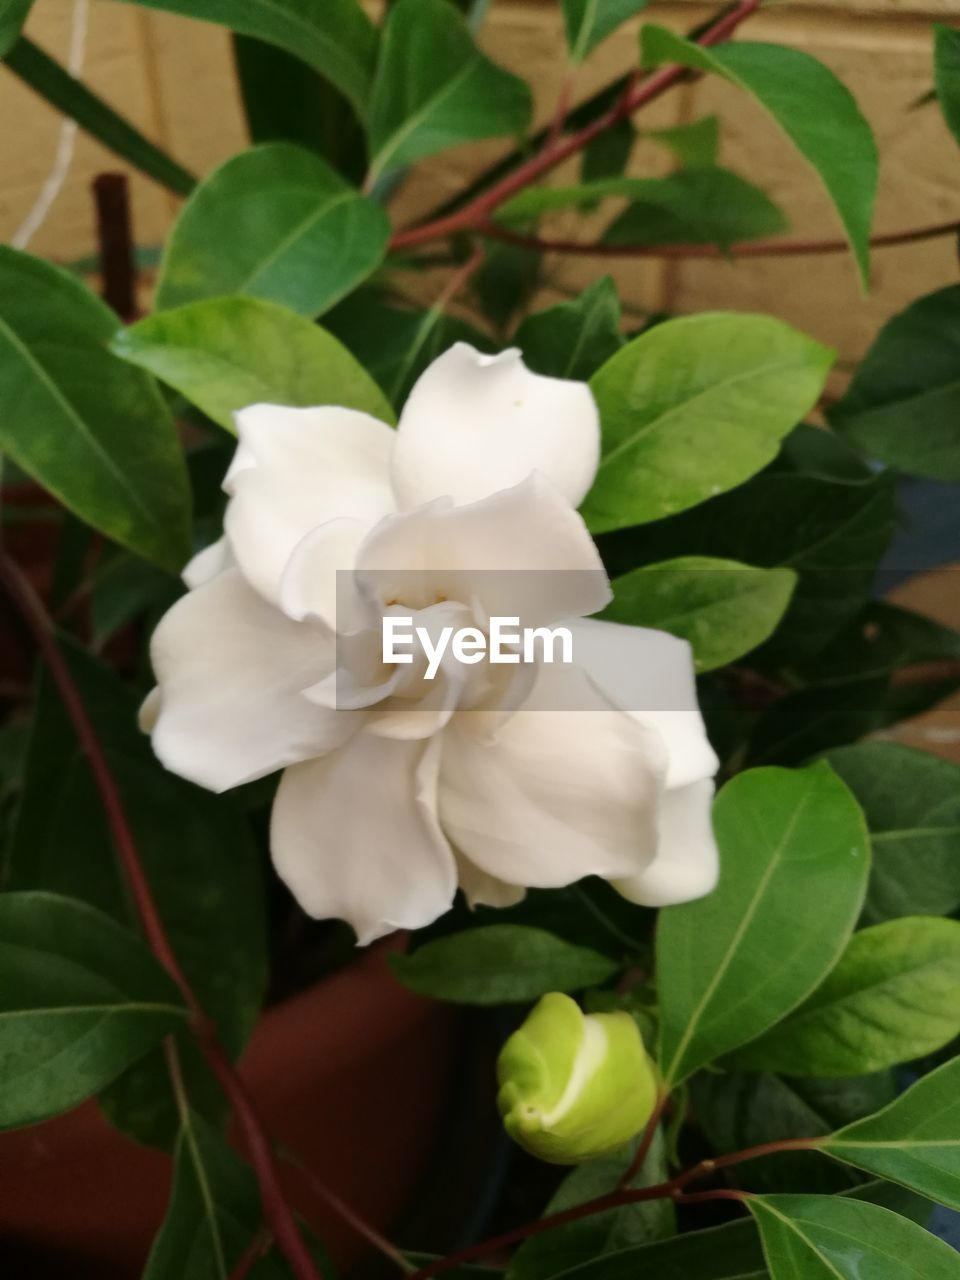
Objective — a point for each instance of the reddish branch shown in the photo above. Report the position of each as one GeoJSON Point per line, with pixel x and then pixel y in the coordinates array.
{"type": "Point", "coordinates": [276, 1209]}
{"type": "Point", "coordinates": [674, 1189]}
{"type": "Point", "coordinates": [745, 249]}
{"type": "Point", "coordinates": [476, 215]}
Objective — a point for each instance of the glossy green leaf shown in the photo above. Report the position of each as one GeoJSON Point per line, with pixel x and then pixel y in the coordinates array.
{"type": "Point", "coordinates": [832, 533]}
{"type": "Point", "coordinates": [213, 1215]}
{"type": "Point", "coordinates": [696, 144]}
{"type": "Point", "coordinates": [903, 404]}
{"type": "Point", "coordinates": [893, 996]}
{"type": "Point", "coordinates": [80, 999]}
{"type": "Point", "coordinates": [555, 1252]}
{"type": "Point", "coordinates": [198, 853]}
{"type": "Point", "coordinates": [693, 206]}
{"type": "Point", "coordinates": [740, 1109]}
{"type": "Point", "coordinates": [794, 860]}
{"type": "Point", "coordinates": [911, 800]}
{"type": "Point", "coordinates": [310, 112]}
{"type": "Point", "coordinates": [573, 339]}
{"type": "Point", "coordinates": [72, 97]}
{"type": "Point", "coordinates": [333, 36]}
{"type": "Point", "coordinates": [695, 406]}
{"type": "Point", "coordinates": [721, 607]}
{"type": "Point", "coordinates": [500, 964]}
{"type": "Point", "coordinates": [225, 353]}
{"type": "Point", "coordinates": [914, 1141]}
{"type": "Point", "coordinates": [587, 22]}
{"type": "Point", "coordinates": [946, 62]}
{"type": "Point", "coordinates": [835, 139]}
{"type": "Point", "coordinates": [93, 431]}
{"type": "Point", "coordinates": [435, 89]}
{"type": "Point", "coordinates": [836, 1238]}
{"type": "Point", "coordinates": [274, 222]}
{"type": "Point", "coordinates": [13, 14]}
{"type": "Point", "coordinates": [881, 639]}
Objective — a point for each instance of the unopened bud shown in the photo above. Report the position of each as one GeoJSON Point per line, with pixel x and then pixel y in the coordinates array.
{"type": "Point", "coordinates": [574, 1086]}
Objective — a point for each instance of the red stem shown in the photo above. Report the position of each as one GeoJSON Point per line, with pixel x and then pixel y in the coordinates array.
{"type": "Point", "coordinates": [476, 214]}
{"type": "Point", "coordinates": [636, 1164]}
{"type": "Point", "coordinates": [745, 249]}
{"type": "Point", "coordinates": [671, 1190]}
{"type": "Point", "coordinates": [276, 1209]}
{"type": "Point", "coordinates": [254, 1251]}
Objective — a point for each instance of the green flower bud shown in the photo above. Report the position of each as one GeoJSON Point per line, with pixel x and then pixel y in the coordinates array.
{"type": "Point", "coordinates": [574, 1086]}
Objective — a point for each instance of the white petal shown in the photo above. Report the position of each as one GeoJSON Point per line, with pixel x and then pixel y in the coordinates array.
{"type": "Point", "coordinates": [650, 674]}
{"type": "Point", "coordinates": [206, 564]}
{"type": "Point", "coordinates": [482, 890]}
{"type": "Point", "coordinates": [522, 552]}
{"type": "Point", "coordinates": [687, 864]}
{"type": "Point", "coordinates": [565, 788]}
{"type": "Point", "coordinates": [296, 469]}
{"type": "Point", "coordinates": [355, 836]}
{"type": "Point", "coordinates": [474, 424]}
{"type": "Point", "coordinates": [229, 669]}
{"type": "Point", "coordinates": [318, 580]}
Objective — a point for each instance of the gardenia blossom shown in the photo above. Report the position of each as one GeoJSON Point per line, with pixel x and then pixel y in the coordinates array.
{"type": "Point", "coordinates": [494, 779]}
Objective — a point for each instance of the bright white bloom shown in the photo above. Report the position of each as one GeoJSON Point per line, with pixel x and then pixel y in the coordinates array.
{"type": "Point", "coordinates": [397, 790]}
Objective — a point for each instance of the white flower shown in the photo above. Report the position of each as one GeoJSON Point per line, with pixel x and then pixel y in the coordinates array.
{"type": "Point", "coordinates": [395, 790]}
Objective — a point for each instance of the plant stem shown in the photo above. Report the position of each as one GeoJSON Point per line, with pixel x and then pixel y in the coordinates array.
{"type": "Point", "coordinates": [636, 1164]}
{"type": "Point", "coordinates": [639, 92]}
{"type": "Point", "coordinates": [671, 1190]}
{"type": "Point", "coordinates": [745, 249]}
{"type": "Point", "coordinates": [275, 1206]}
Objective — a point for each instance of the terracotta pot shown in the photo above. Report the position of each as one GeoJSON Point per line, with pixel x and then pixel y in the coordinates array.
{"type": "Point", "coordinates": [349, 1075]}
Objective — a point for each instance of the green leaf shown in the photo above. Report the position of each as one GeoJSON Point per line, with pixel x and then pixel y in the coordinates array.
{"type": "Point", "coordinates": [794, 860]}
{"type": "Point", "coordinates": [946, 62]}
{"type": "Point", "coordinates": [737, 1110]}
{"type": "Point", "coordinates": [94, 432]}
{"type": "Point", "coordinates": [274, 222]}
{"type": "Point", "coordinates": [225, 353]}
{"type": "Point", "coordinates": [697, 206]}
{"type": "Point", "coordinates": [903, 405]}
{"type": "Point", "coordinates": [831, 532]}
{"type": "Point", "coordinates": [70, 96]}
{"type": "Point", "coordinates": [696, 144]}
{"type": "Point", "coordinates": [555, 1252]}
{"type": "Point", "coordinates": [588, 22]}
{"type": "Point", "coordinates": [835, 1238]}
{"type": "Point", "coordinates": [213, 1215]}
{"type": "Point", "coordinates": [695, 406]}
{"type": "Point", "coordinates": [573, 339]}
{"type": "Point", "coordinates": [721, 607]}
{"type": "Point", "coordinates": [835, 139]}
{"type": "Point", "coordinates": [396, 344]}
{"type": "Point", "coordinates": [914, 1141]}
{"type": "Point", "coordinates": [435, 89]}
{"type": "Point", "coordinates": [694, 206]}
{"type": "Point", "coordinates": [880, 640]}
{"type": "Point", "coordinates": [335, 37]}
{"type": "Point", "coordinates": [309, 112]}
{"type": "Point", "coordinates": [506, 281]}
{"type": "Point", "coordinates": [500, 964]}
{"type": "Point", "coordinates": [199, 856]}
{"type": "Point", "coordinates": [911, 801]}
{"type": "Point", "coordinates": [893, 996]}
{"type": "Point", "coordinates": [608, 155]}
{"type": "Point", "coordinates": [80, 999]}
{"type": "Point", "coordinates": [13, 14]}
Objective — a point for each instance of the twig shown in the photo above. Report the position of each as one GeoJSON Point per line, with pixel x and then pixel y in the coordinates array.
{"type": "Point", "coordinates": [671, 1190]}
{"type": "Point", "coordinates": [460, 278]}
{"type": "Point", "coordinates": [111, 197]}
{"type": "Point", "coordinates": [363, 1229]}
{"type": "Point", "coordinates": [562, 108]}
{"type": "Point", "coordinates": [254, 1251]}
{"type": "Point", "coordinates": [636, 1164]}
{"type": "Point", "coordinates": [477, 213]}
{"type": "Point", "coordinates": [743, 249]}
{"type": "Point", "coordinates": [275, 1206]}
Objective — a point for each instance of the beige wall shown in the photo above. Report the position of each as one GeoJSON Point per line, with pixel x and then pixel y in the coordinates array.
{"type": "Point", "coordinates": [174, 78]}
